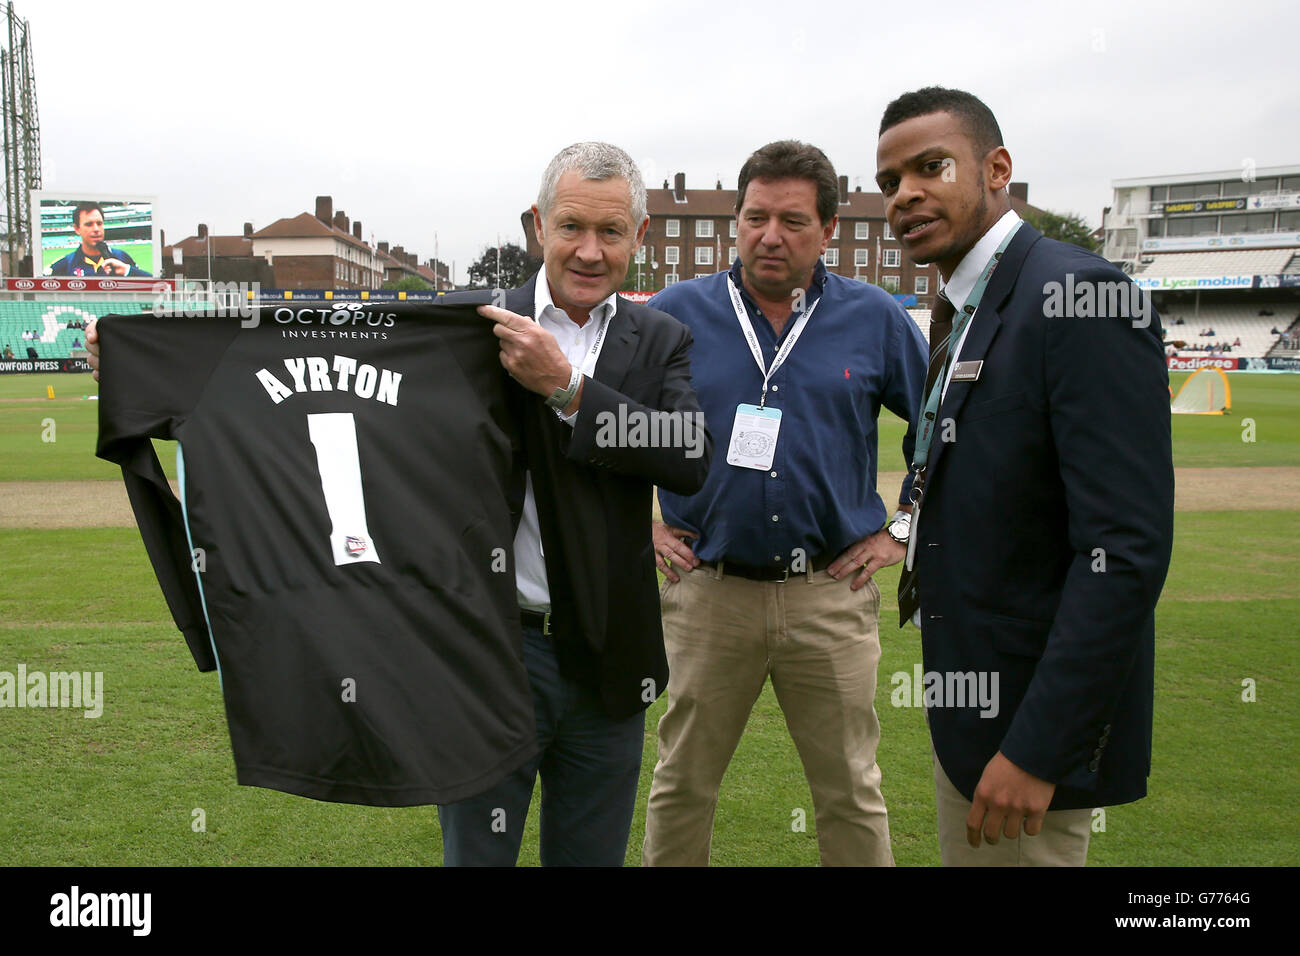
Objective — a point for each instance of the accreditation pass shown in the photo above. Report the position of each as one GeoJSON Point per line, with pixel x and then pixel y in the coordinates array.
{"type": "Point", "coordinates": [753, 437]}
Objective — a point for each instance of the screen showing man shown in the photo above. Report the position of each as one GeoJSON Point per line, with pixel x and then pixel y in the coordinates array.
{"type": "Point", "coordinates": [93, 256]}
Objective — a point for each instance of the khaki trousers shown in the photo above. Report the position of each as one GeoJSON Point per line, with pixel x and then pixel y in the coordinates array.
{"type": "Point", "coordinates": [1063, 841]}
{"type": "Point", "coordinates": [818, 642]}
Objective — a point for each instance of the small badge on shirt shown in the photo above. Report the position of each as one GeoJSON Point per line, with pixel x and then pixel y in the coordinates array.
{"type": "Point", "coordinates": [355, 546]}
{"type": "Point", "coordinates": [966, 371]}
{"type": "Point", "coordinates": [753, 437]}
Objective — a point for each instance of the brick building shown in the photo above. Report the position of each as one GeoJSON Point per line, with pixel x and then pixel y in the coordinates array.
{"type": "Point", "coordinates": [692, 233]}
{"type": "Point", "coordinates": [219, 258]}
{"type": "Point", "coordinates": [399, 264]}
{"type": "Point", "coordinates": [321, 251]}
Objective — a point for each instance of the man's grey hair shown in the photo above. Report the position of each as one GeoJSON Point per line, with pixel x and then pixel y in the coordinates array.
{"type": "Point", "coordinates": [598, 161]}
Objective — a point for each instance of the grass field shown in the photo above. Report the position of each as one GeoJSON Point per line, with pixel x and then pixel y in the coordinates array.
{"type": "Point", "coordinates": [124, 788]}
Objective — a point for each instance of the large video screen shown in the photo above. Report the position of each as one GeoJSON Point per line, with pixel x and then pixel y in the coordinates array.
{"type": "Point", "coordinates": [95, 235]}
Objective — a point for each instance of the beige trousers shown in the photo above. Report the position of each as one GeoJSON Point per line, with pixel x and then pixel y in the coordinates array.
{"type": "Point", "coordinates": [1063, 841]}
{"type": "Point", "coordinates": [818, 642]}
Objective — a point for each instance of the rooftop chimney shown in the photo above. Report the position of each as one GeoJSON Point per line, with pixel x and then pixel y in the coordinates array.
{"type": "Point", "coordinates": [203, 230]}
{"type": "Point", "coordinates": [1020, 191]}
{"type": "Point", "coordinates": [665, 184]}
{"type": "Point", "coordinates": [356, 229]}
{"type": "Point", "coordinates": [844, 190]}
{"type": "Point", "coordinates": [398, 253]}
{"type": "Point", "coordinates": [383, 246]}
{"type": "Point", "coordinates": [341, 221]}
{"type": "Point", "coordinates": [679, 187]}
{"type": "Point", "coordinates": [719, 184]}
{"type": "Point", "coordinates": [248, 230]}
{"type": "Point", "coordinates": [325, 209]}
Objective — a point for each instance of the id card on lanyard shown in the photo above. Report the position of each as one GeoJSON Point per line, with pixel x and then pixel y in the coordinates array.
{"type": "Point", "coordinates": [930, 411]}
{"type": "Point", "coordinates": [755, 428]}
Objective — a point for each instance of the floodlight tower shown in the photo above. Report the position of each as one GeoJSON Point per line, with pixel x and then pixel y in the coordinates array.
{"type": "Point", "coordinates": [22, 141]}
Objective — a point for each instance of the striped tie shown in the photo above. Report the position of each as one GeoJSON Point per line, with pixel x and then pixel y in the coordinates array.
{"type": "Point", "coordinates": [940, 330]}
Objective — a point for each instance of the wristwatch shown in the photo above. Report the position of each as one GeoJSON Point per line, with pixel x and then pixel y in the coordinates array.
{"type": "Point", "coordinates": [900, 526]}
{"type": "Point", "coordinates": [561, 397]}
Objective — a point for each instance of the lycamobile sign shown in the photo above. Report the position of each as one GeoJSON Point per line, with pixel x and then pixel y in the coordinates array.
{"type": "Point", "coordinates": [1158, 283]}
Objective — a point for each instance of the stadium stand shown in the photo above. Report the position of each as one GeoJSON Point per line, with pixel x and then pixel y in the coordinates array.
{"type": "Point", "coordinates": [922, 319]}
{"type": "Point", "coordinates": [50, 320]}
{"type": "Point", "coordinates": [1230, 322]}
{"type": "Point", "coordinates": [1228, 262]}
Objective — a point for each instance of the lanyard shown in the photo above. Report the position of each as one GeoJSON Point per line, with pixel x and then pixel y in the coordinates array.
{"type": "Point", "coordinates": [588, 366]}
{"type": "Point", "coordinates": [589, 363]}
{"type": "Point", "coordinates": [742, 316]}
{"type": "Point", "coordinates": [925, 434]}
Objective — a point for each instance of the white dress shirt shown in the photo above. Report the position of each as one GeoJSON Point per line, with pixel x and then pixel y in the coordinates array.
{"type": "Point", "coordinates": [967, 273]}
{"type": "Point", "coordinates": [578, 343]}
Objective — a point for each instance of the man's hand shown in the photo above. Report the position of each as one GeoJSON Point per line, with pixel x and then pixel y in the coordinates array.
{"type": "Point", "coordinates": [92, 346]}
{"type": "Point", "coordinates": [1006, 796]}
{"type": "Point", "coordinates": [529, 353]}
{"type": "Point", "coordinates": [116, 267]}
{"type": "Point", "coordinates": [671, 549]}
{"type": "Point", "coordinates": [872, 553]}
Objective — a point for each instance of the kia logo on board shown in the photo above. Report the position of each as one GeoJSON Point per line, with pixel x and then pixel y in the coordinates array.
{"type": "Point", "coordinates": [24, 284]}
{"type": "Point", "coordinates": [76, 284]}
{"type": "Point", "coordinates": [49, 283]}
{"type": "Point", "coordinates": [107, 284]}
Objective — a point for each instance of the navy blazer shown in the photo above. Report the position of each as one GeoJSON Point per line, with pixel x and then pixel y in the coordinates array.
{"type": "Point", "coordinates": [594, 500]}
{"type": "Point", "coordinates": [1046, 529]}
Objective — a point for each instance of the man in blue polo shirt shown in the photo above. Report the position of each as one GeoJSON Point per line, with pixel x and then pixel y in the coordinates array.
{"type": "Point", "coordinates": [791, 365]}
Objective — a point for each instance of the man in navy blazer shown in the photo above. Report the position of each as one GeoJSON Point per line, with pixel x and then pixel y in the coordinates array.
{"type": "Point", "coordinates": [1045, 518]}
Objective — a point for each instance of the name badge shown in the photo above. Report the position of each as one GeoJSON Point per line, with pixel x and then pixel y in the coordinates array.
{"type": "Point", "coordinates": [753, 437]}
{"type": "Point", "coordinates": [966, 371]}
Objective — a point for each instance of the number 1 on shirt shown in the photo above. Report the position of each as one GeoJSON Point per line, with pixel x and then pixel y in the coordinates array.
{"type": "Point", "coordinates": [334, 434]}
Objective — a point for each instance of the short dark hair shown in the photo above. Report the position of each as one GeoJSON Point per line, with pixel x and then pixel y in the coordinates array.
{"type": "Point", "coordinates": [791, 159]}
{"type": "Point", "coordinates": [85, 207]}
{"type": "Point", "coordinates": [981, 127]}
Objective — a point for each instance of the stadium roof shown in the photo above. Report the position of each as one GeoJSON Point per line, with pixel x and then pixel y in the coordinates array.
{"type": "Point", "coordinates": [1260, 172]}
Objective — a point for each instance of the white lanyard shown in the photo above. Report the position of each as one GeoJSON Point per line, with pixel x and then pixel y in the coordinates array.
{"type": "Point", "coordinates": [746, 326]}
{"type": "Point", "coordinates": [589, 363]}
{"type": "Point", "coordinates": [588, 366]}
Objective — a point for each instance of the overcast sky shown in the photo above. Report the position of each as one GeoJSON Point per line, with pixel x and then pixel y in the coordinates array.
{"type": "Point", "coordinates": [434, 117]}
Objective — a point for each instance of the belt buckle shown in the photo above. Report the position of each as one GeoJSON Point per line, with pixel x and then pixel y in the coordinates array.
{"type": "Point", "coordinates": [546, 624]}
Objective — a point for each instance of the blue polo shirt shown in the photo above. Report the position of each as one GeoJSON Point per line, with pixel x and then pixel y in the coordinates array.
{"type": "Point", "coordinates": [860, 350]}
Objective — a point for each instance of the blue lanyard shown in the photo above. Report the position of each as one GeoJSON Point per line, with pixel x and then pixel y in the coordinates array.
{"type": "Point", "coordinates": [925, 433]}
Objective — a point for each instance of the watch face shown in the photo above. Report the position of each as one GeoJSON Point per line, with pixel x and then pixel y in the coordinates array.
{"type": "Point", "coordinates": [898, 530]}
